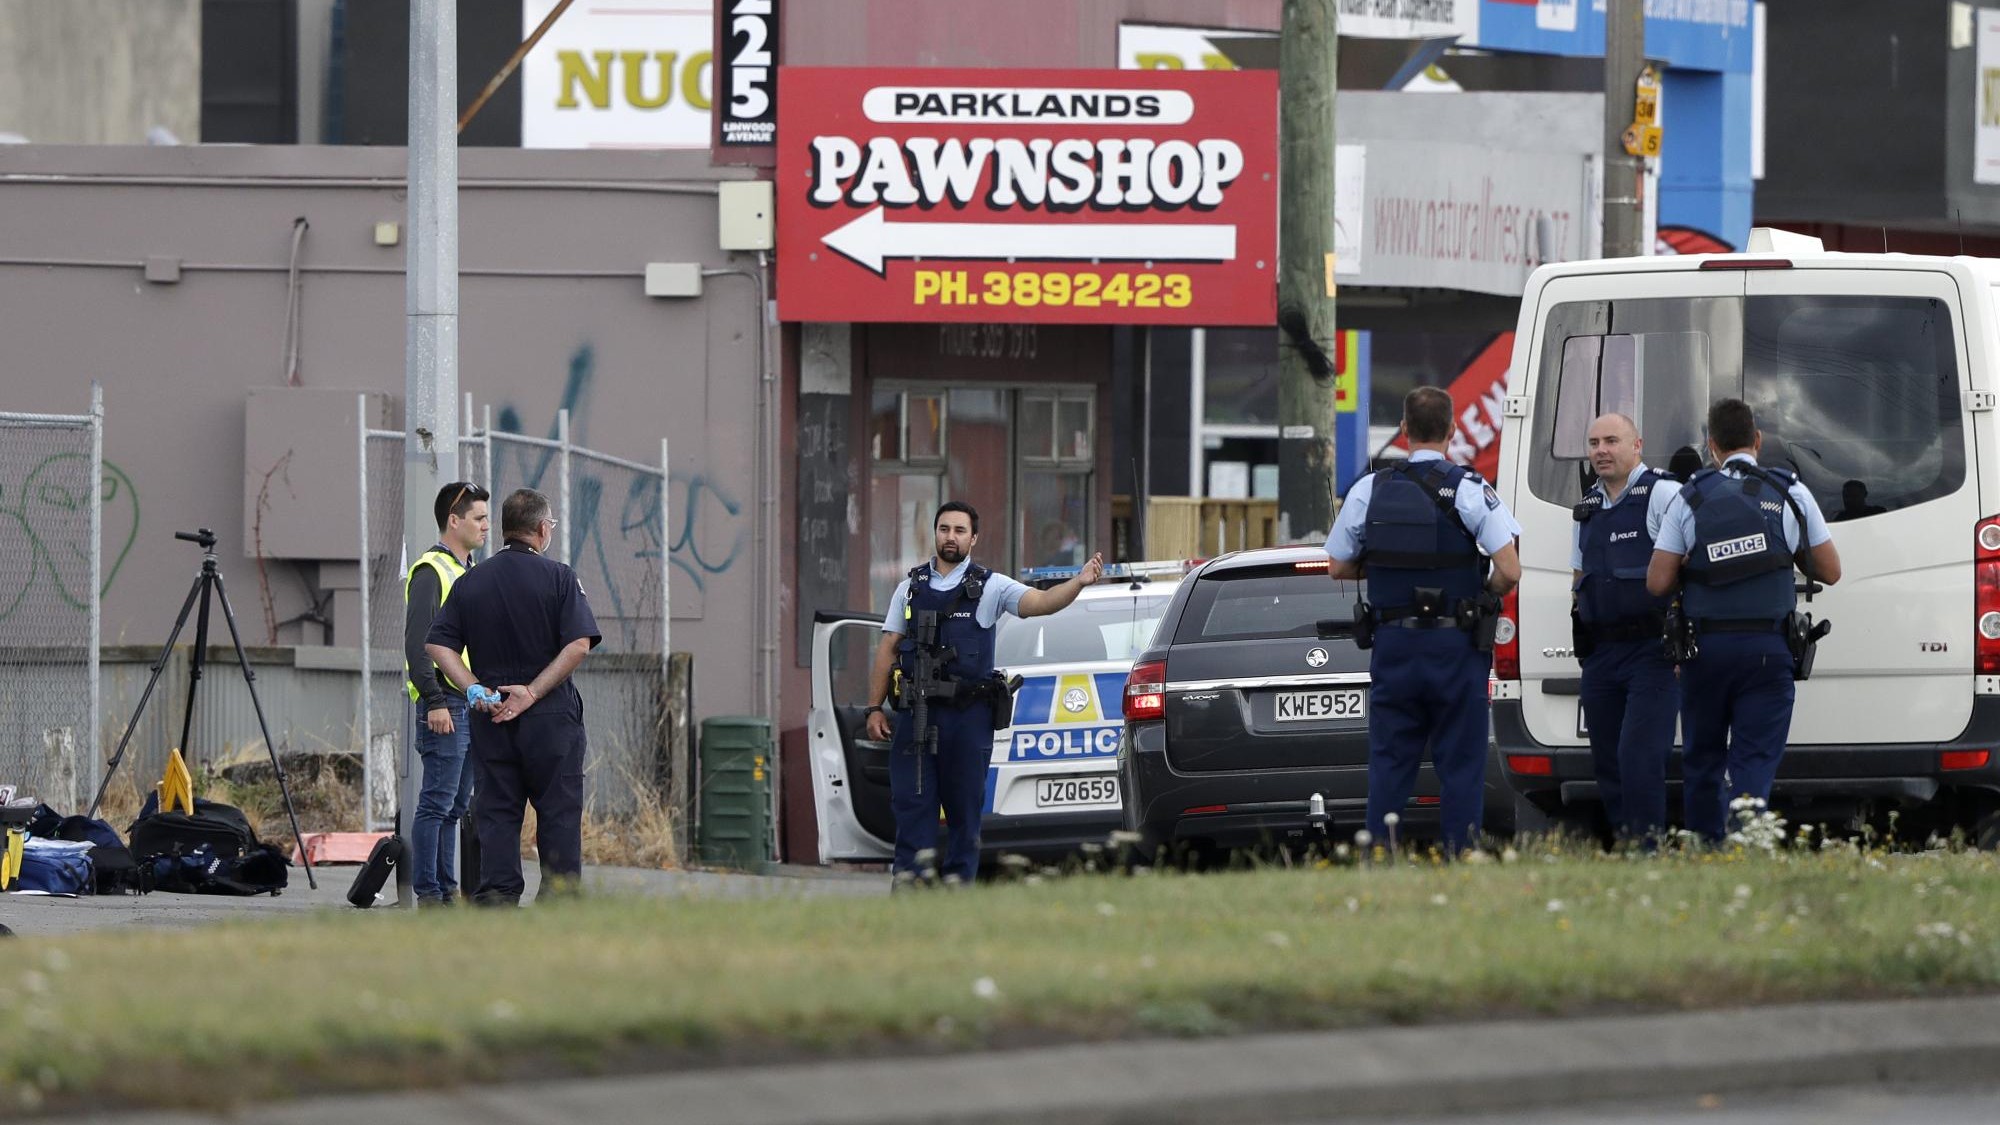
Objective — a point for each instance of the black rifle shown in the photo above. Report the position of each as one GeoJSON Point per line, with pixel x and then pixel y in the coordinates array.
{"type": "Point", "coordinates": [920, 683]}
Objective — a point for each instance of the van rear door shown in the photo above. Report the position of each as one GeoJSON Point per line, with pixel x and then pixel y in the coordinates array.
{"type": "Point", "coordinates": [1856, 377]}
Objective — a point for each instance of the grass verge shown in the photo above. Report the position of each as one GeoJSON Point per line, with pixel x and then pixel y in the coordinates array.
{"type": "Point", "coordinates": [352, 1000]}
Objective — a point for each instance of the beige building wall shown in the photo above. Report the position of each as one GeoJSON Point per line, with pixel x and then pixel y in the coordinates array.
{"type": "Point", "coordinates": [100, 71]}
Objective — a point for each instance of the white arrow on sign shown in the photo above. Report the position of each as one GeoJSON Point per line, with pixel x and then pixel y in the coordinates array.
{"type": "Point", "coordinates": [872, 240]}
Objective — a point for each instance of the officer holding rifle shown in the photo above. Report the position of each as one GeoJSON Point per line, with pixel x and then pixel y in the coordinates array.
{"type": "Point", "coordinates": [935, 665]}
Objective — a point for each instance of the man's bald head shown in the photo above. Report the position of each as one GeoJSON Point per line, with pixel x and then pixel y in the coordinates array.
{"type": "Point", "coordinates": [1615, 447]}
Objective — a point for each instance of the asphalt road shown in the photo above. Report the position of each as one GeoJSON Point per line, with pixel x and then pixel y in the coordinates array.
{"type": "Point", "coordinates": [1866, 1105]}
{"type": "Point", "coordinates": [33, 916]}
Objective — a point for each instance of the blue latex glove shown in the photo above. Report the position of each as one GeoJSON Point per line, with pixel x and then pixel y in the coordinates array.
{"type": "Point", "coordinates": [479, 695]}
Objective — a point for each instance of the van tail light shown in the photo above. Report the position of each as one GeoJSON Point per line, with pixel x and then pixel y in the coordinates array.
{"type": "Point", "coordinates": [1146, 691]}
{"type": "Point", "coordinates": [1507, 639]}
{"type": "Point", "coordinates": [1986, 597]}
{"type": "Point", "coordinates": [1532, 765]}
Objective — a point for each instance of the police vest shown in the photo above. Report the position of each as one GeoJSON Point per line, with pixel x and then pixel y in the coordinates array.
{"type": "Point", "coordinates": [958, 625]}
{"type": "Point", "coordinates": [448, 571]}
{"type": "Point", "coordinates": [1415, 539]}
{"type": "Point", "coordinates": [1739, 568]}
{"type": "Point", "coordinates": [1616, 552]}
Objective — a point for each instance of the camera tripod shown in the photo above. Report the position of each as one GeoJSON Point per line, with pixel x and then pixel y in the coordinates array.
{"type": "Point", "coordinates": [209, 579]}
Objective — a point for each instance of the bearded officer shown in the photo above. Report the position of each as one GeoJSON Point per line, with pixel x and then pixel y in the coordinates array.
{"type": "Point", "coordinates": [1631, 697]}
{"type": "Point", "coordinates": [1729, 541]}
{"type": "Point", "coordinates": [1438, 550]}
{"type": "Point", "coordinates": [968, 600]}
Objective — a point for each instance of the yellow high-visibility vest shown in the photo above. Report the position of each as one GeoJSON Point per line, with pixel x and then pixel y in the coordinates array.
{"type": "Point", "coordinates": [449, 571]}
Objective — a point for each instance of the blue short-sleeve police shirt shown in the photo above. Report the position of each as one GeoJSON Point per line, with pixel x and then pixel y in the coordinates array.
{"type": "Point", "coordinates": [1676, 535]}
{"type": "Point", "coordinates": [1657, 501]}
{"type": "Point", "coordinates": [1489, 521]}
{"type": "Point", "coordinates": [1002, 595]}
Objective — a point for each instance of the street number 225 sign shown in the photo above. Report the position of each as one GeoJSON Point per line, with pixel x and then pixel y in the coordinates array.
{"type": "Point", "coordinates": [1073, 197]}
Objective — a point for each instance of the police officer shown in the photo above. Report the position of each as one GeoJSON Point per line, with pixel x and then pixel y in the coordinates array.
{"type": "Point", "coordinates": [526, 625]}
{"type": "Point", "coordinates": [968, 599]}
{"type": "Point", "coordinates": [1729, 540]}
{"type": "Point", "coordinates": [443, 734]}
{"type": "Point", "coordinates": [1631, 696]}
{"type": "Point", "coordinates": [1437, 548]}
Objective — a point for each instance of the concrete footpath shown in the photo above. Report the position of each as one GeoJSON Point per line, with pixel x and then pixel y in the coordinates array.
{"type": "Point", "coordinates": [1421, 1071]}
{"type": "Point", "coordinates": [34, 916]}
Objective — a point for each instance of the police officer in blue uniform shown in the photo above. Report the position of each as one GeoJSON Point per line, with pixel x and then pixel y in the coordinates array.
{"type": "Point", "coordinates": [526, 624]}
{"type": "Point", "coordinates": [1438, 549]}
{"type": "Point", "coordinates": [1729, 542]}
{"type": "Point", "coordinates": [1631, 697]}
{"type": "Point", "coordinates": [968, 600]}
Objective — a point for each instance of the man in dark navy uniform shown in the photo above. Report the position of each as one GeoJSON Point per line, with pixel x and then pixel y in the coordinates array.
{"type": "Point", "coordinates": [1733, 535]}
{"type": "Point", "coordinates": [1437, 548]}
{"type": "Point", "coordinates": [526, 624]}
{"type": "Point", "coordinates": [967, 600]}
{"type": "Point", "coordinates": [1631, 697]}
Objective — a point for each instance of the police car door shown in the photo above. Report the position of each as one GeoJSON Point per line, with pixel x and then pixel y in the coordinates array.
{"type": "Point", "coordinates": [1857, 377]}
{"type": "Point", "coordinates": [850, 772]}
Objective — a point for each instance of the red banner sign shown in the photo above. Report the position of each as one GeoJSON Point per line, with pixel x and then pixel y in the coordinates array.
{"type": "Point", "coordinates": [1478, 403]}
{"type": "Point", "coordinates": [1055, 197]}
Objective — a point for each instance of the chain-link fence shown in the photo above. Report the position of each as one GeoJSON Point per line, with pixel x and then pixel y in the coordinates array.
{"type": "Point", "coordinates": [53, 488]}
{"type": "Point", "coordinates": [609, 523]}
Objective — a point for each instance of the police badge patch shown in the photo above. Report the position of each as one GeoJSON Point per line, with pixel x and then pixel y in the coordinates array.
{"type": "Point", "coordinates": [1492, 498]}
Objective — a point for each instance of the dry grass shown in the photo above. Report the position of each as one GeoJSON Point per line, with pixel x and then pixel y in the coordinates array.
{"type": "Point", "coordinates": [643, 836]}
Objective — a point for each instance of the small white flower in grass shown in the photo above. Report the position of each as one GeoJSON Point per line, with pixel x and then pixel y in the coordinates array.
{"type": "Point", "coordinates": [1742, 890]}
{"type": "Point", "coordinates": [1279, 939]}
{"type": "Point", "coordinates": [1391, 820]}
{"type": "Point", "coordinates": [502, 1010]}
{"type": "Point", "coordinates": [1509, 855]}
{"type": "Point", "coordinates": [1363, 838]}
{"type": "Point", "coordinates": [1106, 909]}
{"type": "Point", "coordinates": [1557, 906]}
{"type": "Point", "coordinates": [1353, 904]}
{"type": "Point", "coordinates": [32, 981]}
{"type": "Point", "coordinates": [56, 960]}
{"type": "Point", "coordinates": [1439, 900]}
{"type": "Point", "coordinates": [1652, 876]}
{"type": "Point", "coordinates": [985, 989]}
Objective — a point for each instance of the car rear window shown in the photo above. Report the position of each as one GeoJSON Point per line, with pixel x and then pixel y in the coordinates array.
{"type": "Point", "coordinates": [1255, 603]}
{"type": "Point", "coordinates": [1859, 395]}
{"type": "Point", "coordinates": [1090, 629]}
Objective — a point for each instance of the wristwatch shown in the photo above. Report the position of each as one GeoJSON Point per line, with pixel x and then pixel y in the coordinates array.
{"type": "Point", "coordinates": [872, 707]}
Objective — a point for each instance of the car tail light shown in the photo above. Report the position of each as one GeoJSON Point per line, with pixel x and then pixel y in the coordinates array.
{"type": "Point", "coordinates": [1986, 597]}
{"type": "Point", "coordinates": [1964, 759]}
{"type": "Point", "coordinates": [1507, 639]}
{"type": "Point", "coordinates": [1146, 690]}
{"type": "Point", "coordinates": [1531, 765]}
{"type": "Point", "coordinates": [1200, 810]}
{"type": "Point", "coordinates": [1427, 800]}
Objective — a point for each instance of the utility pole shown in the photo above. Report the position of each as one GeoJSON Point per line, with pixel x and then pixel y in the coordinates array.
{"type": "Point", "coordinates": [1307, 53]}
{"type": "Point", "coordinates": [1624, 192]}
{"type": "Point", "coordinates": [430, 353]}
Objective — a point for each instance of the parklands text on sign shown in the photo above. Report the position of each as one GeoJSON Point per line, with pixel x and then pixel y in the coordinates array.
{"type": "Point", "coordinates": [1077, 197]}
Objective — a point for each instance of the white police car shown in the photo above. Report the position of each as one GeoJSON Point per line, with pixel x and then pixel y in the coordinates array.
{"type": "Point", "coordinates": [1053, 781]}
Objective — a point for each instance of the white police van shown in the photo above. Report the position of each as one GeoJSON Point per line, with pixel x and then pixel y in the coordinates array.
{"type": "Point", "coordinates": [1875, 378]}
{"type": "Point", "coordinates": [1053, 781]}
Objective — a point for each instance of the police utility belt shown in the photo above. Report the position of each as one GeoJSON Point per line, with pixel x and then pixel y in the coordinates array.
{"type": "Point", "coordinates": [1432, 609]}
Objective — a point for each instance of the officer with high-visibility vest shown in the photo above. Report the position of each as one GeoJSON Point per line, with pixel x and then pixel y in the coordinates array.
{"type": "Point", "coordinates": [443, 734]}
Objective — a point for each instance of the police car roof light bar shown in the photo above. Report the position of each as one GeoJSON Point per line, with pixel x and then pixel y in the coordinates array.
{"type": "Point", "coordinates": [1044, 576]}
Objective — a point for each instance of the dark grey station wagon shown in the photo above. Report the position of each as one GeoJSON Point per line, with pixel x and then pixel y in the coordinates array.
{"type": "Point", "coordinates": [1246, 720]}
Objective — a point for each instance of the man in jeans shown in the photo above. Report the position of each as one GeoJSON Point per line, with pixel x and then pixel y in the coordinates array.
{"type": "Point", "coordinates": [443, 732]}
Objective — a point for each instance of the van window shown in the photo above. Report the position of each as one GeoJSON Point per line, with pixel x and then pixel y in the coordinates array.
{"type": "Point", "coordinates": [1654, 361]}
{"type": "Point", "coordinates": [1859, 396]}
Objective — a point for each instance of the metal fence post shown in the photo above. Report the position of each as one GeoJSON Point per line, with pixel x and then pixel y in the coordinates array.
{"type": "Point", "coordinates": [562, 478]}
{"type": "Point", "coordinates": [367, 707]}
{"type": "Point", "coordinates": [93, 748]}
{"type": "Point", "coordinates": [486, 435]}
{"type": "Point", "coordinates": [666, 561]}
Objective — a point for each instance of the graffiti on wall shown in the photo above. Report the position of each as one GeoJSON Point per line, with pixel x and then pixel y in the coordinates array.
{"type": "Point", "coordinates": [45, 530]}
{"type": "Point", "coordinates": [614, 513]}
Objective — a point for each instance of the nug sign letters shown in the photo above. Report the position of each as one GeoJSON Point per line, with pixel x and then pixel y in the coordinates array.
{"type": "Point", "coordinates": [1075, 197]}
